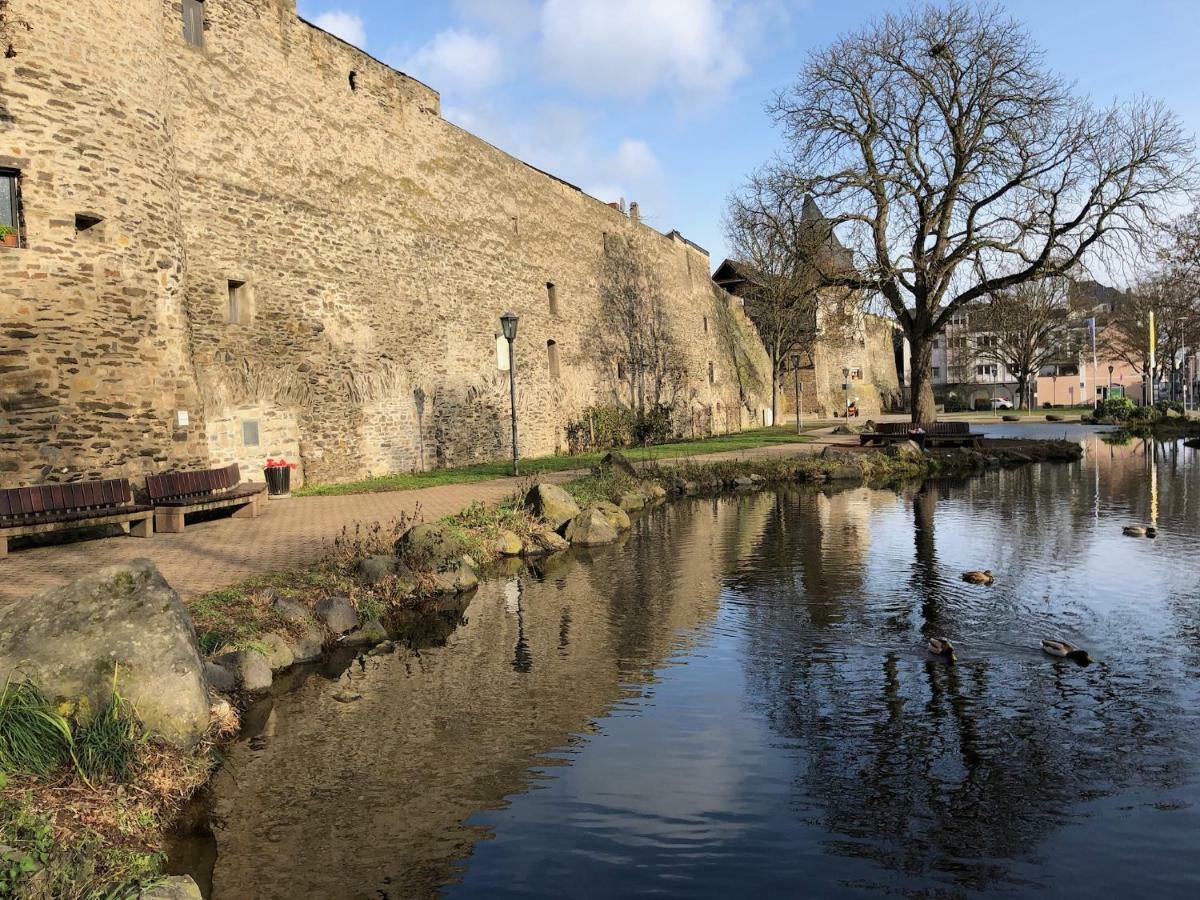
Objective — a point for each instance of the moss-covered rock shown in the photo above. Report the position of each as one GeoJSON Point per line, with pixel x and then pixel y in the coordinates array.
{"type": "Point", "coordinates": [631, 501]}
{"type": "Point", "coordinates": [617, 517]}
{"type": "Point", "coordinates": [542, 542]}
{"type": "Point", "coordinates": [68, 640]}
{"type": "Point", "coordinates": [459, 580]}
{"type": "Point", "coordinates": [552, 504]}
{"type": "Point", "coordinates": [508, 544]}
{"type": "Point", "coordinates": [432, 547]}
{"type": "Point", "coordinates": [591, 528]}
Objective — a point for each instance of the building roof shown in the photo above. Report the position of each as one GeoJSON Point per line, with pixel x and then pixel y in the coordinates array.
{"type": "Point", "coordinates": [732, 274]}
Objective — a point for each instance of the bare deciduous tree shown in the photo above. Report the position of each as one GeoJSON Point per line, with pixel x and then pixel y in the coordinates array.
{"type": "Point", "coordinates": [634, 338]}
{"type": "Point", "coordinates": [962, 166]}
{"type": "Point", "coordinates": [777, 236]}
{"type": "Point", "coordinates": [1024, 328]}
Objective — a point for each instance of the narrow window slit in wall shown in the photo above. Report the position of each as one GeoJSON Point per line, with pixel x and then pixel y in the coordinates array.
{"type": "Point", "coordinates": [239, 302]}
{"type": "Point", "coordinates": [10, 208]}
{"type": "Point", "coordinates": [86, 222]}
{"type": "Point", "coordinates": [552, 358]}
{"type": "Point", "coordinates": [620, 370]}
{"type": "Point", "coordinates": [706, 324]}
{"type": "Point", "coordinates": [193, 22]}
{"type": "Point", "coordinates": [552, 297]}
{"type": "Point", "coordinates": [353, 80]}
{"type": "Point", "coordinates": [712, 372]}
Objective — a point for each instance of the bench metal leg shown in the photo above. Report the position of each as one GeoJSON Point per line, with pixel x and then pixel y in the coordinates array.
{"type": "Point", "coordinates": [249, 511]}
{"type": "Point", "coordinates": [168, 520]}
{"type": "Point", "coordinates": [142, 528]}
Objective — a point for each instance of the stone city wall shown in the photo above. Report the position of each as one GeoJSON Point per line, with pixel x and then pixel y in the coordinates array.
{"type": "Point", "coordinates": [298, 252]}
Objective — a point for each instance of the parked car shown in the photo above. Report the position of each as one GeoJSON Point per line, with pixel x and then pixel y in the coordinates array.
{"type": "Point", "coordinates": [1001, 403]}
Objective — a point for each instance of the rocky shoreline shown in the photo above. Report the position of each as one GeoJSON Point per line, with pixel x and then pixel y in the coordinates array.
{"type": "Point", "coordinates": [386, 580]}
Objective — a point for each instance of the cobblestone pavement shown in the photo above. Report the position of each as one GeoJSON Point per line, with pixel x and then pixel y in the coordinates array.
{"type": "Point", "coordinates": [289, 533]}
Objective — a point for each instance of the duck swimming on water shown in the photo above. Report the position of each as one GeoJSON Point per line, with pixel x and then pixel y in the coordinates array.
{"type": "Point", "coordinates": [1067, 651]}
{"type": "Point", "coordinates": [976, 577]}
{"type": "Point", "coordinates": [943, 648]}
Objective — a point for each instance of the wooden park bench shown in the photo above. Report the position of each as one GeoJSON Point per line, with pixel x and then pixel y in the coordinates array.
{"type": "Point", "coordinates": [175, 494]}
{"type": "Point", "coordinates": [46, 508]}
{"type": "Point", "coordinates": [934, 434]}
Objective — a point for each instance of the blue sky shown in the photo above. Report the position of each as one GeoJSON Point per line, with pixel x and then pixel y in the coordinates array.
{"type": "Point", "coordinates": [661, 101]}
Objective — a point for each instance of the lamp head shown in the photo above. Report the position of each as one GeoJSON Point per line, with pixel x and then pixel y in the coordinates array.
{"type": "Point", "coordinates": [508, 325]}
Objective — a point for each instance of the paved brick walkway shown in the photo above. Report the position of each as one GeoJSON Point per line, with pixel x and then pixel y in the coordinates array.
{"type": "Point", "coordinates": [290, 533]}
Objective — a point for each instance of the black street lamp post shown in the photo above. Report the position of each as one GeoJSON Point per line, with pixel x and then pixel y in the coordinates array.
{"type": "Point", "coordinates": [1110, 371]}
{"type": "Point", "coordinates": [796, 380]}
{"type": "Point", "coordinates": [508, 325]}
{"type": "Point", "coordinates": [846, 387]}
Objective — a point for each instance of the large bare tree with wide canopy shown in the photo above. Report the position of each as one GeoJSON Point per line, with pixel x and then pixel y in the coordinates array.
{"type": "Point", "coordinates": [958, 165]}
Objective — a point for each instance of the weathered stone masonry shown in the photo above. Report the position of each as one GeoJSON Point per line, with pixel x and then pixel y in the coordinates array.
{"type": "Point", "coordinates": [287, 250]}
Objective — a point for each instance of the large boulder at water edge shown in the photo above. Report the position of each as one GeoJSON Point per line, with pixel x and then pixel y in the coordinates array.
{"type": "Point", "coordinates": [590, 528]}
{"type": "Point", "coordinates": [68, 640]}
{"type": "Point", "coordinates": [508, 544]}
{"type": "Point", "coordinates": [542, 542]}
{"type": "Point", "coordinates": [617, 517]}
{"type": "Point", "coordinates": [552, 503]}
{"type": "Point", "coordinates": [459, 580]}
{"type": "Point", "coordinates": [632, 501]}
{"type": "Point", "coordinates": [434, 547]}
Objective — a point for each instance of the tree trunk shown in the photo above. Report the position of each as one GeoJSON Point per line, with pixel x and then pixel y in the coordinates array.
{"type": "Point", "coordinates": [1022, 389]}
{"type": "Point", "coordinates": [774, 387]}
{"type": "Point", "coordinates": [921, 401]}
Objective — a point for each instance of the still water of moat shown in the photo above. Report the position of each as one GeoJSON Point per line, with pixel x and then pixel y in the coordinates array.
{"type": "Point", "coordinates": [738, 700]}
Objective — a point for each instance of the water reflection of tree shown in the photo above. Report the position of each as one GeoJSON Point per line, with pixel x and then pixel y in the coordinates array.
{"type": "Point", "coordinates": [944, 771]}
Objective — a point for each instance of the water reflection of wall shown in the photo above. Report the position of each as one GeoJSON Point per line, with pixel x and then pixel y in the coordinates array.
{"type": "Point", "coordinates": [370, 798]}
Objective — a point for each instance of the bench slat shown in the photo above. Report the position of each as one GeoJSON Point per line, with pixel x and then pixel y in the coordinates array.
{"type": "Point", "coordinates": [50, 502]}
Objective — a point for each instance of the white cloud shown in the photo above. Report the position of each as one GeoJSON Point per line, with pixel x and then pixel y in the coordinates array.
{"type": "Point", "coordinates": [510, 17]}
{"type": "Point", "coordinates": [457, 60]}
{"type": "Point", "coordinates": [636, 47]}
{"type": "Point", "coordinates": [558, 139]}
{"type": "Point", "coordinates": [346, 25]}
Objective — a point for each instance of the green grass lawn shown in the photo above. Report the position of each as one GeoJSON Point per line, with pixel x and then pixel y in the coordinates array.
{"type": "Point", "coordinates": [743, 440]}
